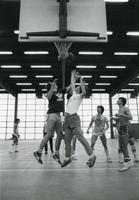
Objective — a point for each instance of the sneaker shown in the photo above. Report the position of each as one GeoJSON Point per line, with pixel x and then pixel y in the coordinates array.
{"type": "Point", "coordinates": [91, 161]}
{"type": "Point", "coordinates": [66, 162]}
{"type": "Point", "coordinates": [57, 158]}
{"type": "Point", "coordinates": [109, 160]}
{"type": "Point", "coordinates": [12, 151]}
{"type": "Point", "coordinates": [87, 162]}
{"type": "Point", "coordinates": [121, 159]}
{"type": "Point", "coordinates": [136, 159]}
{"type": "Point", "coordinates": [125, 167]}
{"type": "Point", "coordinates": [38, 156]}
{"type": "Point", "coordinates": [16, 151]}
{"type": "Point", "coordinates": [130, 164]}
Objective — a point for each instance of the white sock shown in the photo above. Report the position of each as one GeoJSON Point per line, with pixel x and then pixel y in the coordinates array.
{"type": "Point", "coordinates": [91, 156]}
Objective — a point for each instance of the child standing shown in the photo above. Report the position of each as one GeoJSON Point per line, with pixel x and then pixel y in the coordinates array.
{"type": "Point", "coordinates": [15, 136]}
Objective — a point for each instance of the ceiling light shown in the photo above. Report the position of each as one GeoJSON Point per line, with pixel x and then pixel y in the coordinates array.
{"type": "Point", "coordinates": [127, 90]}
{"type": "Point", "coordinates": [6, 52]}
{"type": "Point", "coordinates": [86, 76]}
{"type": "Point", "coordinates": [109, 32]}
{"type": "Point", "coordinates": [115, 67]}
{"type": "Point", "coordinates": [85, 66]}
{"type": "Point", "coordinates": [126, 53]}
{"type": "Point", "coordinates": [44, 76]}
{"type": "Point", "coordinates": [2, 90]}
{"type": "Point", "coordinates": [45, 90]}
{"type": "Point", "coordinates": [133, 33]}
{"type": "Point", "coordinates": [16, 31]}
{"type": "Point", "coordinates": [103, 83]}
{"type": "Point", "coordinates": [40, 66]}
{"type": "Point", "coordinates": [18, 76]}
{"type": "Point", "coordinates": [28, 90]}
{"type": "Point", "coordinates": [23, 83]}
{"type": "Point", "coordinates": [97, 90]}
{"type": "Point", "coordinates": [10, 66]}
{"type": "Point", "coordinates": [90, 53]}
{"type": "Point", "coordinates": [35, 52]}
{"type": "Point", "coordinates": [108, 76]}
{"type": "Point", "coordinates": [116, 1]}
{"type": "Point", "coordinates": [80, 84]}
{"type": "Point", "coordinates": [43, 84]}
{"type": "Point", "coordinates": [133, 84]}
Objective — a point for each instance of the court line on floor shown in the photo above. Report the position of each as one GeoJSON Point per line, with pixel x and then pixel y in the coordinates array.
{"type": "Point", "coordinates": [53, 161]}
{"type": "Point", "coordinates": [64, 169]}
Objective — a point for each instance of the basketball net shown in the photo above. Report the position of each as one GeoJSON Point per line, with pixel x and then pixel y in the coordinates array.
{"type": "Point", "coordinates": [62, 47]}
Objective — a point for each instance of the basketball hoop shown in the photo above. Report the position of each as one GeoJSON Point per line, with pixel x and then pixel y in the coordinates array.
{"type": "Point", "coordinates": [62, 48]}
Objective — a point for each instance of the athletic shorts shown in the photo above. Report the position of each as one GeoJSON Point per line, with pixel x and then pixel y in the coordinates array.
{"type": "Point", "coordinates": [72, 121]}
{"type": "Point", "coordinates": [123, 130]}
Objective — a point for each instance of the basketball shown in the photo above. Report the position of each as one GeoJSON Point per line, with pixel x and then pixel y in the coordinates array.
{"type": "Point", "coordinates": [70, 57]}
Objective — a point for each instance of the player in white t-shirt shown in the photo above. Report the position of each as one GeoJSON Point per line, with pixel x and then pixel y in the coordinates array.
{"type": "Point", "coordinates": [101, 125]}
{"type": "Point", "coordinates": [72, 122]}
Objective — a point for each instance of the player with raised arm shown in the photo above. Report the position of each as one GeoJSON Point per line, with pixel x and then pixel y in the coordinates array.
{"type": "Point", "coordinates": [72, 121]}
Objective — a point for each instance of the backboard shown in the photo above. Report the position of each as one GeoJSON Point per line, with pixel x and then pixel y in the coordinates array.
{"type": "Point", "coordinates": [82, 16]}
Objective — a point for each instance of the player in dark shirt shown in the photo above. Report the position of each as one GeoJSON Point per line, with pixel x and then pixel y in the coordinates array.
{"type": "Point", "coordinates": [54, 123]}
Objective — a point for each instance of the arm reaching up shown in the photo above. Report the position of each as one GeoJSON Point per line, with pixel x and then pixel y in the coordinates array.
{"type": "Point", "coordinates": [83, 89]}
{"type": "Point", "coordinates": [52, 89]}
{"type": "Point", "coordinates": [73, 80]}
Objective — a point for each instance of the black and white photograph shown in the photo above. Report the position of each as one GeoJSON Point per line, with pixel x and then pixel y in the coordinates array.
{"type": "Point", "coordinates": [69, 99]}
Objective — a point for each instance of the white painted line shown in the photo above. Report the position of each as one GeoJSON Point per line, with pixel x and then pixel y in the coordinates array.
{"type": "Point", "coordinates": [74, 161]}
{"type": "Point", "coordinates": [63, 169]}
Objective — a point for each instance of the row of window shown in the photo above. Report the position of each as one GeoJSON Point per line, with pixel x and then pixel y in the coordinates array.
{"type": "Point", "coordinates": [32, 111]}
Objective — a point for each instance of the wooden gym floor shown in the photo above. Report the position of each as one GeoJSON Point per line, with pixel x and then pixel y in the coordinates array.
{"type": "Point", "coordinates": [22, 178]}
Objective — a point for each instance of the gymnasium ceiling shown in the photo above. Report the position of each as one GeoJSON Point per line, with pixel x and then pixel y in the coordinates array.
{"type": "Point", "coordinates": [121, 18]}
